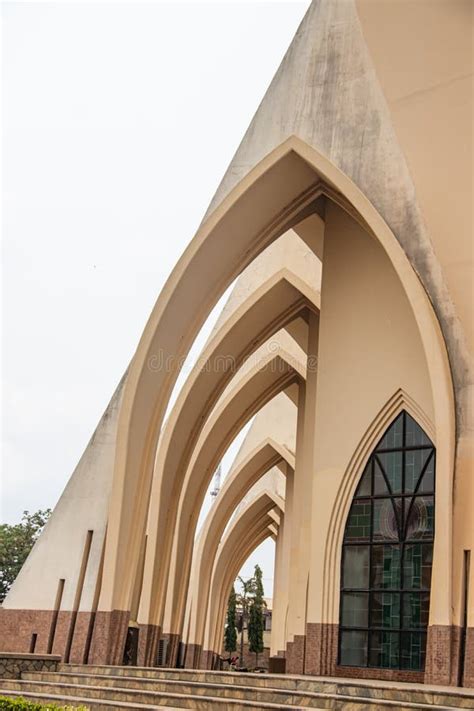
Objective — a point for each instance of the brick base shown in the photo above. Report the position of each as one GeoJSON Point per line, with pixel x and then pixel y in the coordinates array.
{"type": "Point", "coordinates": [468, 677]}
{"type": "Point", "coordinates": [321, 649]}
{"type": "Point", "coordinates": [82, 632]}
{"type": "Point", "coordinates": [443, 656]}
{"type": "Point", "coordinates": [148, 639]}
{"type": "Point", "coordinates": [192, 656]}
{"type": "Point", "coordinates": [17, 628]}
{"type": "Point", "coordinates": [277, 665]}
{"type": "Point", "coordinates": [381, 674]}
{"type": "Point", "coordinates": [63, 623]}
{"type": "Point", "coordinates": [206, 659]}
{"type": "Point", "coordinates": [172, 649]}
{"type": "Point", "coordinates": [295, 655]}
{"type": "Point", "coordinates": [108, 639]}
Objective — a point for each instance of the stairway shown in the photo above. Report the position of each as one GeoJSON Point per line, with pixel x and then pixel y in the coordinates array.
{"type": "Point", "coordinates": [104, 688]}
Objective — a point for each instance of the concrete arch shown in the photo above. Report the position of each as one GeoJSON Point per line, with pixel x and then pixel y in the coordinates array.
{"type": "Point", "coordinates": [246, 532]}
{"type": "Point", "coordinates": [263, 214]}
{"type": "Point", "coordinates": [274, 195]}
{"type": "Point", "coordinates": [277, 419]}
{"type": "Point", "coordinates": [295, 250]}
{"type": "Point", "coordinates": [273, 305]}
{"type": "Point", "coordinates": [262, 458]}
{"type": "Point", "coordinates": [275, 369]}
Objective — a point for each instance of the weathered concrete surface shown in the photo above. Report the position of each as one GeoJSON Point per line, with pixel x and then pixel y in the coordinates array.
{"type": "Point", "coordinates": [327, 93]}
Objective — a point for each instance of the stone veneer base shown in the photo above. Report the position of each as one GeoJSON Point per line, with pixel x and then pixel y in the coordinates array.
{"type": "Point", "coordinates": [13, 665]}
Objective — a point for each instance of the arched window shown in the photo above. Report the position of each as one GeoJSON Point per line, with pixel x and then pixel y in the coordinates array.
{"type": "Point", "coordinates": [387, 554]}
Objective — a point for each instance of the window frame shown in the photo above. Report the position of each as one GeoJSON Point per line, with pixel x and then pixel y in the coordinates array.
{"type": "Point", "coordinates": [401, 543]}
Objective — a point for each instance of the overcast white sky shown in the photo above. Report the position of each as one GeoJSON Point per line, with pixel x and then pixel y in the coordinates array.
{"type": "Point", "coordinates": [119, 119]}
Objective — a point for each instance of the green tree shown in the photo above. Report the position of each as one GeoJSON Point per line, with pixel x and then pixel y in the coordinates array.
{"type": "Point", "coordinates": [243, 600]}
{"type": "Point", "coordinates": [15, 544]}
{"type": "Point", "coordinates": [256, 619]}
{"type": "Point", "coordinates": [230, 636]}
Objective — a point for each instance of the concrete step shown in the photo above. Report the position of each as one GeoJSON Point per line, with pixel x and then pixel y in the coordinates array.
{"type": "Point", "coordinates": [200, 695]}
{"type": "Point", "coordinates": [95, 705]}
{"type": "Point", "coordinates": [94, 697]}
{"type": "Point", "coordinates": [453, 697]}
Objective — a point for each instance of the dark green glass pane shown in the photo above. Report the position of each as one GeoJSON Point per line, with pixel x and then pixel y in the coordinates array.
{"type": "Point", "coordinates": [353, 648]}
{"type": "Point", "coordinates": [393, 437]}
{"type": "Point", "coordinates": [386, 567]}
{"type": "Point", "coordinates": [417, 562]}
{"type": "Point", "coordinates": [385, 610]}
{"type": "Point", "coordinates": [365, 486]}
{"type": "Point", "coordinates": [413, 651]}
{"type": "Point", "coordinates": [355, 610]}
{"type": "Point", "coordinates": [380, 484]}
{"type": "Point", "coordinates": [384, 649]}
{"type": "Point", "coordinates": [355, 568]}
{"type": "Point", "coordinates": [358, 521]}
{"type": "Point", "coordinates": [414, 435]}
{"type": "Point", "coordinates": [415, 460]}
{"type": "Point", "coordinates": [392, 464]}
{"type": "Point", "coordinates": [427, 483]}
{"type": "Point", "coordinates": [420, 522]}
{"type": "Point", "coordinates": [385, 526]}
{"type": "Point", "coordinates": [416, 609]}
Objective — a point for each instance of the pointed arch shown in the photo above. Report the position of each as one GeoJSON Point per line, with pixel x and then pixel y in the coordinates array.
{"type": "Point", "coordinates": [387, 553]}
{"type": "Point", "coordinates": [272, 374]}
{"type": "Point", "coordinates": [399, 402]}
{"type": "Point", "coordinates": [256, 464]}
{"type": "Point", "coordinates": [278, 192]}
{"type": "Point", "coordinates": [269, 308]}
{"type": "Point", "coordinates": [243, 535]}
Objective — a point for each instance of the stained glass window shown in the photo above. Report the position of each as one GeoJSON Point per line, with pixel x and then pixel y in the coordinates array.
{"type": "Point", "coordinates": [387, 554]}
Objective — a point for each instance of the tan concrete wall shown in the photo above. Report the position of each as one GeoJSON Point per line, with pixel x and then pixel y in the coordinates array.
{"type": "Point", "coordinates": [369, 348]}
{"type": "Point", "coordinates": [428, 88]}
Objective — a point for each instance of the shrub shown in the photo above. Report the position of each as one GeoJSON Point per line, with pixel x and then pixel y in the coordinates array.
{"type": "Point", "coordinates": [20, 704]}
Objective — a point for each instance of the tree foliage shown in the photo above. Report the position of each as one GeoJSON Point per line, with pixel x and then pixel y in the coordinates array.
{"type": "Point", "coordinates": [230, 635]}
{"type": "Point", "coordinates": [256, 618]}
{"type": "Point", "coordinates": [15, 544]}
{"type": "Point", "coordinates": [20, 704]}
{"type": "Point", "coordinates": [243, 600]}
